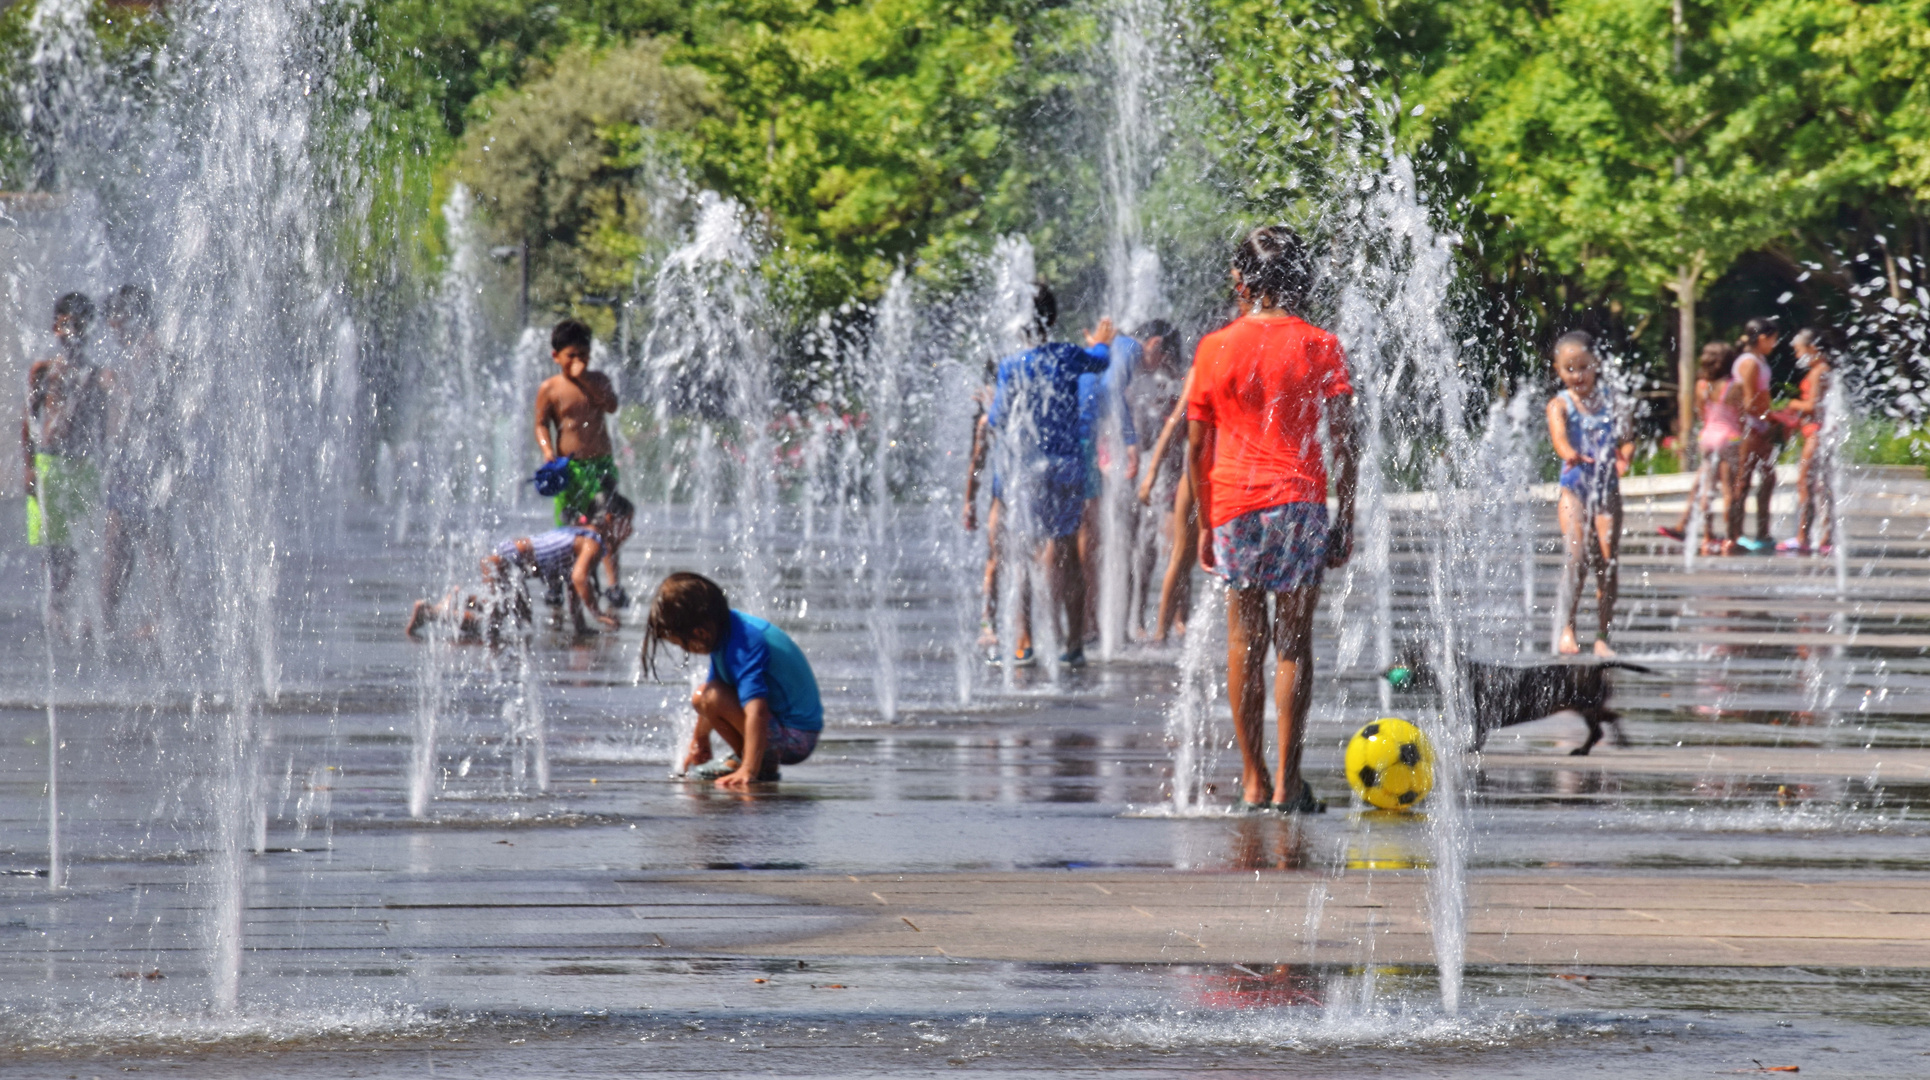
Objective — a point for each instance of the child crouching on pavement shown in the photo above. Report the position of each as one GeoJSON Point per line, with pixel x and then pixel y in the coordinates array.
{"type": "Point", "coordinates": [566, 555]}
{"type": "Point", "coordinates": [761, 697]}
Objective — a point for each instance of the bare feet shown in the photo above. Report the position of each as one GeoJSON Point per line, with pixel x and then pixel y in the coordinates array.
{"type": "Point", "coordinates": [1602, 649]}
{"type": "Point", "coordinates": [1567, 646]}
{"type": "Point", "coordinates": [417, 616]}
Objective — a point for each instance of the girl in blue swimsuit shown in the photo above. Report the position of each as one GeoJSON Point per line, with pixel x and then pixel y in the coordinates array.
{"type": "Point", "coordinates": [1588, 437]}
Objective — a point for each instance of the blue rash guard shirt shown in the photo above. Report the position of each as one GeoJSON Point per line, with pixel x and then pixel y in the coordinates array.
{"type": "Point", "coordinates": [1037, 398]}
{"type": "Point", "coordinates": [1110, 386]}
{"type": "Point", "coordinates": [760, 661]}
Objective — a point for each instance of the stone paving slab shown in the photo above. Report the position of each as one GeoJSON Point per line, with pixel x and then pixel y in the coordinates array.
{"type": "Point", "coordinates": [1881, 766]}
{"type": "Point", "coordinates": [1382, 917]}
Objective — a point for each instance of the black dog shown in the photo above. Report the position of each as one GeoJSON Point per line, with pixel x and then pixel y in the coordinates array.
{"type": "Point", "coordinates": [1504, 695]}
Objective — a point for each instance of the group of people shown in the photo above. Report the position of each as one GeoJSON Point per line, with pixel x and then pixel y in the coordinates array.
{"type": "Point", "coordinates": [1238, 472]}
{"type": "Point", "coordinates": [102, 463]}
{"type": "Point", "coordinates": [1248, 491]}
{"type": "Point", "coordinates": [760, 697]}
{"type": "Point", "coordinates": [1741, 438]}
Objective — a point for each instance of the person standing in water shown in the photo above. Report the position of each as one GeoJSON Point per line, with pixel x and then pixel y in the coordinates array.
{"type": "Point", "coordinates": [1814, 475]}
{"type": "Point", "coordinates": [1762, 438]}
{"type": "Point", "coordinates": [62, 438]}
{"type": "Point", "coordinates": [1718, 444]}
{"type": "Point", "coordinates": [570, 410]}
{"type": "Point", "coordinates": [144, 458]}
{"type": "Point", "coordinates": [1036, 420]}
{"type": "Point", "coordinates": [1158, 400]}
{"type": "Point", "coordinates": [1260, 387]}
{"type": "Point", "coordinates": [1592, 442]}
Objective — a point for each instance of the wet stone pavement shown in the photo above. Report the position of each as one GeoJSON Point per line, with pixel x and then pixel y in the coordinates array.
{"type": "Point", "coordinates": [994, 885]}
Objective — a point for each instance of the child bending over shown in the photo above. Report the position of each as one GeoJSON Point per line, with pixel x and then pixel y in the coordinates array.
{"type": "Point", "coordinates": [566, 555]}
{"type": "Point", "coordinates": [1594, 449]}
{"type": "Point", "coordinates": [761, 697]}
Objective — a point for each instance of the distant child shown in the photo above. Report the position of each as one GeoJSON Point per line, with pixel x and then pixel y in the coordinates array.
{"type": "Point", "coordinates": [1762, 438]}
{"type": "Point", "coordinates": [1594, 448]}
{"type": "Point", "coordinates": [1158, 399]}
{"type": "Point", "coordinates": [1035, 415]}
{"type": "Point", "coordinates": [145, 457]}
{"type": "Point", "coordinates": [62, 437]}
{"type": "Point", "coordinates": [565, 556]}
{"type": "Point", "coordinates": [1813, 477]}
{"type": "Point", "coordinates": [761, 697]}
{"type": "Point", "coordinates": [1719, 445]}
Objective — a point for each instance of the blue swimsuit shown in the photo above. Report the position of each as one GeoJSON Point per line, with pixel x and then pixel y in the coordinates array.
{"type": "Point", "coordinates": [1594, 436]}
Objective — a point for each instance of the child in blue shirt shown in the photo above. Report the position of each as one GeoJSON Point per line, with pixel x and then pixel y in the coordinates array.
{"type": "Point", "coordinates": [761, 696]}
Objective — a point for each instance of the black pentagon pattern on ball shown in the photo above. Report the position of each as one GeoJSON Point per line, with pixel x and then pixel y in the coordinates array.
{"type": "Point", "coordinates": [1369, 732]}
{"type": "Point", "coordinates": [1368, 777]}
{"type": "Point", "coordinates": [1410, 754]}
{"type": "Point", "coordinates": [1409, 796]}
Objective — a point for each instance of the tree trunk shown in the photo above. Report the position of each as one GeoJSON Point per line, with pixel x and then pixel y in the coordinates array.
{"type": "Point", "coordinates": [1685, 365]}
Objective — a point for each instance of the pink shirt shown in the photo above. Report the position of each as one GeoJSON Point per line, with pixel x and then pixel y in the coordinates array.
{"type": "Point", "coordinates": [1721, 421]}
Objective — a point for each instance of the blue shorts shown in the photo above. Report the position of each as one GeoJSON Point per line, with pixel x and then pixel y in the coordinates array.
{"type": "Point", "coordinates": [1277, 549]}
{"type": "Point", "coordinates": [791, 745]}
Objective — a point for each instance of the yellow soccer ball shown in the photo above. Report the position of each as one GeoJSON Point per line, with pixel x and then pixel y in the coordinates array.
{"type": "Point", "coordinates": [1391, 764]}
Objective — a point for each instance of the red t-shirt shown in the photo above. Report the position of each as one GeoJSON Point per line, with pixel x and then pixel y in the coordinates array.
{"type": "Point", "coordinates": [1261, 384]}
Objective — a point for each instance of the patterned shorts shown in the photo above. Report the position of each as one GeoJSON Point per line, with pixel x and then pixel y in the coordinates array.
{"type": "Point", "coordinates": [1276, 549]}
{"type": "Point", "coordinates": [791, 745]}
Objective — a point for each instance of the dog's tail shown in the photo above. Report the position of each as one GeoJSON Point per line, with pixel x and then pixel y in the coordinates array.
{"type": "Point", "coordinates": [1627, 666]}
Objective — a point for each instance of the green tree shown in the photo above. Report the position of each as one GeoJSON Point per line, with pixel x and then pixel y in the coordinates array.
{"type": "Point", "coordinates": [559, 163]}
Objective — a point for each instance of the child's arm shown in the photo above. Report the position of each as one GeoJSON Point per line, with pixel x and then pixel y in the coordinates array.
{"type": "Point", "coordinates": [544, 407]}
{"type": "Point", "coordinates": [583, 579]}
{"type": "Point", "coordinates": [1340, 431]}
{"type": "Point", "coordinates": [757, 735]}
{"type": "Point", "coordinates": [600, 390]}
{"type": "Point", "coordinates": [980, 429]}
{"type": "Point", "coordinates": [1166, 433]}
{"type": "Point", "coordinates": [1558, 433]}
{"type": "Point", "coordinates": [1199, 465]}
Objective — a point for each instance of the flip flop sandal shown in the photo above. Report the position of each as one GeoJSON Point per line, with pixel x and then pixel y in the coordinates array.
{"type": "Point", "coordinates": [711, 770]}
{"type": "Point", "coordinates": [1307, 803]}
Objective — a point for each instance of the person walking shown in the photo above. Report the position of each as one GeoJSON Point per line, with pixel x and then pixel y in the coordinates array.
{"type": "Point", "coordinates": [1261, 386]}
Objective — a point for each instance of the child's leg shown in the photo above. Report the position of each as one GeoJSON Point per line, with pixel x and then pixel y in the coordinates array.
{"type": "Point", "coordinates": [1806, 494]}
{"type": "Point", "coordinates": [1174, 590]}
{"type": "Point", "coordinates": [1608, 552]}
{"type": "Point", "coordinates": [1292, 682]}
{"type": "Point", "coordinates": [719, 713]}
{"type": "Point", "coordinates": [994, 537]}
{"type": "Point", "coordinates": [1698, 495]}
{"type": "Point", "coordinates": [1734, 492]}
{"type": "Point", "coordinates": [1068, 581]}
{"type": "Point", "coordinates": [1574, 527]}
{"type": "Point", "coordinates": [1765, 487]}
{"type": "Point", "coordinates": [1247, 631]}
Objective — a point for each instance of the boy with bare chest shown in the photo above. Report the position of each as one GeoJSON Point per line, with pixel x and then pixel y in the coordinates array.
{"type": "Point", "coordinates": [62, 436]}
{"type": "Point", "coordinates": [570, 407]}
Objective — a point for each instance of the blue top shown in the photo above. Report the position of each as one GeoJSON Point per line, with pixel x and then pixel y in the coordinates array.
{"type": "Point", "coordinates": [1038, 391]}
{"type": "Point", "coordinates": [1105, 392]}
{"type": "Point", "coordinates": [760, 661]}
{"type": "Point", "coordinates": [1595, 435]}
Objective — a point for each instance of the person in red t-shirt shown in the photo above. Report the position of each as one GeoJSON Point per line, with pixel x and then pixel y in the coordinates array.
{"type": "Point", "coordinates": [1261, 385]}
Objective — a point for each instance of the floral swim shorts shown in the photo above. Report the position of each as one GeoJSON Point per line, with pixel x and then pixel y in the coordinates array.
{"type": "Point", "coordinates": [1277, 549]}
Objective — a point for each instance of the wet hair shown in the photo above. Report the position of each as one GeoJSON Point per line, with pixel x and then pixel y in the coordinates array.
{"type": "Point", "coordinates": [688, 606]}
{"type": "Point", "coordinates": [1809, 335]}
{"type": "Point", "coordinates": [1717, 358]}
{"type": "Point", "coordinates": [1167, 334]}
{"type": "Point", "coordinates": [1274, 265]}
{"type": "Point", "coordinates": [609, 502]}
{"type": "Point", "coordinates": [79, 311]}
{"type": "Point", "coordinates": [1757, 327]}
{"type": "Point", "coordinates": [1581, 338]}
{"type": "Point", "coordinates": [130, 303]}
{"type": "Point", "coordinates": [1045, 308]}
{"type": "Point", "coordinates": [567, 333]}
